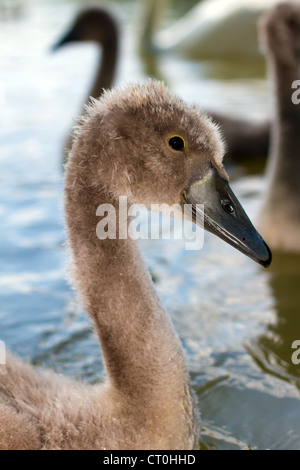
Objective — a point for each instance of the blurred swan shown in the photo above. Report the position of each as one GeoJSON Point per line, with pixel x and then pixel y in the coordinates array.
{"type": "Point", "coordinates": [100, 25]}
{"type": "Point", "coordinates": [244, 138]}
{"type": "Point", "coordinates": [216, 29]}
{"type": "Point", "coordinates": [280, 215]}
{"type": "Point", "coordinates": [213, 29]}
{"type": "Point", "coordinates": [143, 142]}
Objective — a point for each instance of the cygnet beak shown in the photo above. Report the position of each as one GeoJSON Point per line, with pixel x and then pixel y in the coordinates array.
{"type": "Point", "coordinates": [223, 215]}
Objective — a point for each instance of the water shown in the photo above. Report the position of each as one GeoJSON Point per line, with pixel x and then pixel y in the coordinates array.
{"type": "Point", "coordinates": [236, 320]}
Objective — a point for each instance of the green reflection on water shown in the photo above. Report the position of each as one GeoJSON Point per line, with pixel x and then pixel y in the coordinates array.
{"type": "Point", "coordinates": [274, 348]}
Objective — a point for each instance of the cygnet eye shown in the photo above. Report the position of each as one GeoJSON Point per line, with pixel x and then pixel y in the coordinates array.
{"type": "Point", "coordinates": [176, 143]}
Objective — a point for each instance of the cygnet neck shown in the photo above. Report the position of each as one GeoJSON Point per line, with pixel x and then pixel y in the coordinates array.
{"type": "Point", "coordinates": [142, 352]}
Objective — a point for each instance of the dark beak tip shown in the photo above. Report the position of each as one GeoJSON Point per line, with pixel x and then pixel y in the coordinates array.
{"type": "Point", "coordinates": [55, 47]}
{"type": "Point", "coordinates": [71, 36]}
{"type": "Point", "coordinates": [268, 260]}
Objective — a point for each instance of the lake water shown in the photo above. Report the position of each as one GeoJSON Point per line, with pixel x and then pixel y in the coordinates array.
{"type": "Point", "coordinates": [236, 320]}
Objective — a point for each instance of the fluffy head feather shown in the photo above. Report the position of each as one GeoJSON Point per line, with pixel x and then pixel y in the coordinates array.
{"type": "Point", "coordinates": [127, 132]}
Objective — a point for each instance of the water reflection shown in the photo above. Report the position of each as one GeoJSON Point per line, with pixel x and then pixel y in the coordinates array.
{"type": "Point", "coordinates": [273, 350]}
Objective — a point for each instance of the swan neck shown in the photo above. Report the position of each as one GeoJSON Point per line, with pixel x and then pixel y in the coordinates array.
{"type": "Point", "coordinates": [105, 73]}
{"type": "Point", "coordinates": [141, 350]}
{"type": "Point", "coordinates": [284, 164]}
